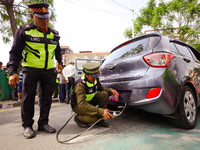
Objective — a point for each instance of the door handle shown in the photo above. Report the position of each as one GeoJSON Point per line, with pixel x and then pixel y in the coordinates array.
{"type": "Point", "coordinates": [187, 60]}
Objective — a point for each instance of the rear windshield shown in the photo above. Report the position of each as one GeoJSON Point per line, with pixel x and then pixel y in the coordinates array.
{"type": "Point", "coordinates": [135, 47]}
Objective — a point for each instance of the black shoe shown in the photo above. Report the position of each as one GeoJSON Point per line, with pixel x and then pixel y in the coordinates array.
{"type": "Point", "coordinates": [28, 132]}
{"type": "Point", "coordinates": [103, 124]}
{"type": "Point", "coordinates": [47, 128]}
{"type": "Point", "coordinates": [79, 123]}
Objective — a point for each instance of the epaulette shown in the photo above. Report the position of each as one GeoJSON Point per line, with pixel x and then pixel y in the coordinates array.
{"type": "Point", "coordinates": [28, 26]}
{"type": "Point", "coordinates": [54, 31]}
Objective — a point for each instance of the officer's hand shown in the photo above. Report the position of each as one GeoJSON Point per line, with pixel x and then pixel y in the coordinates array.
{"type": "Point", "coordinates": [67, 81]}
{"type": "Point", "coordinates": [107, 115]}
{"type": "Point", "coordinates": [13, 79]}
{"type": "Point", "coordinates": [115, 93]}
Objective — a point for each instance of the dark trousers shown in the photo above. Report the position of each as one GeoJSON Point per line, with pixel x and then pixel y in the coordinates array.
{"type": "Point", "coordinates": [68, 87]}
{"type": "Point", "coordinates": [62, 93]}
{"type": "Point", "coordinates": [47, 80]}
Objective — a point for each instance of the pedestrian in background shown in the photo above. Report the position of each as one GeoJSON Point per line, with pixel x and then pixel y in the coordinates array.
{"type": "Point", "coordinates": [39, 44]}
{"type": "Point", "coordinates": [69, 72]}
{"type": "Point", "coordinates": [0, 71]}
{"type": "Point", "coordinates": [55, 92]}
{"type": "Point", "coordinates": [20, 86]}
{"type": "Point", "coordinates": [62, 93]}
{"type": "Point", "coordinates": [5, 88]}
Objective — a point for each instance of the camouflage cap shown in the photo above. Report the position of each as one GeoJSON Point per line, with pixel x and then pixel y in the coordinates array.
{"type": "Point", "coordinates": [92, 69]}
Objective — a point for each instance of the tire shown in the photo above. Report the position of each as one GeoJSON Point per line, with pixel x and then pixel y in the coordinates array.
{"type": "Point", "coordinates": [187, 109]}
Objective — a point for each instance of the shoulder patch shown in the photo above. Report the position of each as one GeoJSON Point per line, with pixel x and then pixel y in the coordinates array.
{"type": "Point", "coordinates": [54, 31]}
{"type": "Point", "coordinates": [28, 26]}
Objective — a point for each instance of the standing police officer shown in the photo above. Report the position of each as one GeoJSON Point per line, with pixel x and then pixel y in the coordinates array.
{"type": "Point", "coordinates": [39, 44]}
{"type": "Point", "coordinates": [87, 94]}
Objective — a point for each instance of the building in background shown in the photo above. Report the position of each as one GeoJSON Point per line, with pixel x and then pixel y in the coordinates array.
{"type": "Point", "coordinates": [69, 55]}
{"type": "Point", "coordinates": [65, 50]}
{"type": "Point", "coordinates": [85, 55]}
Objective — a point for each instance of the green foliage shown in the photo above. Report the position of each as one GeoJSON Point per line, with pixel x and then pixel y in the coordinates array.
{"type": "Point", "coordinates": [128, 33]}
{"type": "Point", "coordinates": [21, 16]}
{"type": "Point", "coordinates": [197, 46]}
{"type": "Point", "coordinates": [179, 19]}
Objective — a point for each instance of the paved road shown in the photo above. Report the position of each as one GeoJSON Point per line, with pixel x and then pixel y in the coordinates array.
{"type": "Point", "coordinates": [133, 130]}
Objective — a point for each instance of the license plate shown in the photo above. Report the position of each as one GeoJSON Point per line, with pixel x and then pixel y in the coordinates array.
{"type": "Point", "coordinates": [114, 98]}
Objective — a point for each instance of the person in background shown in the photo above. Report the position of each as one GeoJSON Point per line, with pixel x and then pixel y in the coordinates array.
{"type": "Point", "coordinates": [89, 99]}
{"type": "Point", "coordinates": [55, 92]}
{"type": "Point", "coordinates": [62, 93]}
{"type": "Point", "coordinates": [7, 75]}
{"type": "Point", "coordinates": [68, 73]}
{"type": "Point", "coordinates": [1, 70]}
{"type": "Point", "coordinates": [1, 65]}
{"type": "Point", "coordinates": [39, 44]}
{"type": "Point", "coordinates": [20, 86]}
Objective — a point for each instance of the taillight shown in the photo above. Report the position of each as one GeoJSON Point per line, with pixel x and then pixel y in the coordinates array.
{"type": "Point", "coordinates": [153, 93]}
{"type": "Point", "coordinates": [158, 59]}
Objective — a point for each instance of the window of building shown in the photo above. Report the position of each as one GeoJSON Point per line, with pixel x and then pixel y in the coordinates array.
{"type": "Point", "coordinates": [70, 59]}
{"type": "Point", "coordinates": [90, 57]}
{"type": "Point", "coordinates": [80, 57]}
{"type": "Point", "coordinates": [100, 57]}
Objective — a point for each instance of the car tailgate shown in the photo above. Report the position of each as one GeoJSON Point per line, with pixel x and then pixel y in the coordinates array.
{"type": "Point", "coordinates": [130, 68]}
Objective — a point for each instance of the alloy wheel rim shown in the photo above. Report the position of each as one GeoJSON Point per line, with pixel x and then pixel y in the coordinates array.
{"type": "Point", "coordinates": [189, 107]}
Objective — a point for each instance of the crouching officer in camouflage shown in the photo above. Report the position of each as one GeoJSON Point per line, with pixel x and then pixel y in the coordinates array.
{"type": "Point", "coordinates": [88, 93]}
{"type": "Point", "coordinates": [39, 45]}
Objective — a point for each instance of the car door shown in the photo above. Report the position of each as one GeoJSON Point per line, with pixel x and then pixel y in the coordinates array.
{"type": "Point", "coordinates": [190, 60]}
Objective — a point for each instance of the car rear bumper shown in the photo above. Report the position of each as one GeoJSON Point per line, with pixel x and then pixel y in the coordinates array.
{"type": "Point", "coordinates": [134, 93]}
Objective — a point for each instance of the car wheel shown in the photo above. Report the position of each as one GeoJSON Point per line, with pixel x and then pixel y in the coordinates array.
{"type": "Point", "coordinates": [187, 109]}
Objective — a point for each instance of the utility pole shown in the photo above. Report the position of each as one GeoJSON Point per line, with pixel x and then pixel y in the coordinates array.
{"type": "Point", "coordinates": [132, 12]}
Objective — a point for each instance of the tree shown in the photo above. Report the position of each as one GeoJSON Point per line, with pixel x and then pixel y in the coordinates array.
{"type": "Point", "coordinates": [178, 18]}
{"type": "Point", "coordinates": [128, 33]}
{"type": "Point", "coordinates": [14, 14]}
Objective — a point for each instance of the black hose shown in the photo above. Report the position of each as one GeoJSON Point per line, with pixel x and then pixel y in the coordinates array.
{"type": "Point", "coordinates": [83, 131]}
{"type": "Point", "coordinates": [61, 130]}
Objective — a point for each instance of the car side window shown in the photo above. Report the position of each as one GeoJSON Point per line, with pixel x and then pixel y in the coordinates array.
{"type": "Point", "coordinates": [183, 50]}
{"type": "Point", "coordinates": [195, 53]}
{"type": "Point", "coordinates": [173, 47]}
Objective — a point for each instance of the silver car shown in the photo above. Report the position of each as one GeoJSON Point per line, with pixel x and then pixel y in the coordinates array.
{"type": "Point", "coordinates": [157, 74]}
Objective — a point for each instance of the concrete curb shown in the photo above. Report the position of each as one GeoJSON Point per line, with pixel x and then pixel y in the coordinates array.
{"type": "Point", "coordinates": [10, 103]}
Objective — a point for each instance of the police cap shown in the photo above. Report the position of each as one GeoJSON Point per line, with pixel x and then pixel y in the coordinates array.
{"type": "Point", "coordinates": [92, 69]}
{"type": "Point", "coordinates": [40, 9]}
